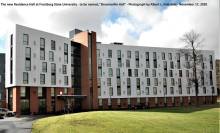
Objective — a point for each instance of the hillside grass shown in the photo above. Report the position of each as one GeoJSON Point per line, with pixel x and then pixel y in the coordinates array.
{"type": "Point", "coordinates": [203, 119]}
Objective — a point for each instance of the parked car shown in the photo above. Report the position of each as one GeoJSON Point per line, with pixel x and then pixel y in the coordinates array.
{"type": "Point", "coordinates": [6, 112]}
{"type": "Point", "coordinates": [2, 113]}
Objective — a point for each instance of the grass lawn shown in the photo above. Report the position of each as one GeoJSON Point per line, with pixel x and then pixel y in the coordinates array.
{"type": "Point", "coordinates": [165, 120]}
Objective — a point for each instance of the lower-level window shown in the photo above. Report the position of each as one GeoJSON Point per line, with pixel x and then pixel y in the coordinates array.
{"type": "Point", "coordinates": [25, 77]}
{"type": "Point", "coordinates": [42, 105]}
{"type": "Point", "coordinates": [25, 109]}
{"type": "Point", "coordinates": [155, 90]}
{"type": "Point", "coordinates": [171, 91]}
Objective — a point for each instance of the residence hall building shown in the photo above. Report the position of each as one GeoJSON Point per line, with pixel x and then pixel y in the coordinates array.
{"type": "Point", "coordinates": [2, 81]}
{"type": "Point", "coordinates": [49, 73]}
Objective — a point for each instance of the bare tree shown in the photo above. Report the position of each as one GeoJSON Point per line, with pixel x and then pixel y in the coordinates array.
{"type": "Point", "coordinates": [194, 59]}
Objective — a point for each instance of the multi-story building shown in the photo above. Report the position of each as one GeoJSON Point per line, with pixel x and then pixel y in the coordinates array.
{"type": "Point", "coordinates": [2, 80]}
{"type": "Point", "coordinates": [49, 73]}
{"type": "Point", "coordinates": [217, 62]}
{"type": "Point", "coordinates": [44, 70]}
{"type": "Point", "coordinates": [150, 76]}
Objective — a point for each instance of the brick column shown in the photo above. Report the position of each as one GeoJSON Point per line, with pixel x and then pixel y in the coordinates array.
{"type": "Point", "coordinates": [214, 99]}
{"type": "Point", "coordinates": [185, 101]}
{"type": "Point", "coordinates": [143, 101]}
{"type": "Point", "coordinates": [151, 101]}
{"type": "Point", "coordinates": [34, 101]}
{"type": "Point", "coordinates": [177, 101]}
{"type": "Point", "coordinates": [105, 103]}
{"type": "Point", "coordinates": [133, 102]}
{"type": "Point", "coordinates": [169, 102]}
{"type": "Point", "coordinates": [160, 101]}
{"type": "Point", "coordinates": [114, 103]}
{"type": "Point", "coordinates": [124, 103]}
{"type": "Point", "coordinates": [201, 100]}
{"type": "Point", "coordinates": [70, 91]}
{"type": "Point", "coordinates": [193, 100]}
{"type": "Point", "coordinates": [48, 99]}
{"type": "Point", "coordinates": [16, 101]}
{"type": "Point", "coordinates": [59, 103]}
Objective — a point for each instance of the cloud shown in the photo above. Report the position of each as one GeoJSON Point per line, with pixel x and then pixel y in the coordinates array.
{"type": "Point", "coordinates": [176, 21]}
{"type": "Point", "coordinates": [14, 16]}
{"type": "Point", "coordinates": [146, 26]}
{"type": "Point", "coordinates": [85, 18]}
{"type": "Point", "coordinates": [153, 27]}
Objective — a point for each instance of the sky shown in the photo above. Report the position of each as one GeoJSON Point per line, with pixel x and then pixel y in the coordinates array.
{"type": "Point", "coordinates": [155, 26]}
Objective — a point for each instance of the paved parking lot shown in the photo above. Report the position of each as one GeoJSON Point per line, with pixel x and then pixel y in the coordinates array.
{"type": "Point", "coordinates": [17, 125]}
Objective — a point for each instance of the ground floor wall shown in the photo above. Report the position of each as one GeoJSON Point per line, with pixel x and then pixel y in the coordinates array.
{"type": "Point", "coordinates": [49, 101]}
{"type": "Point", "coordinates": [2, 104]}
{"type": "Point", "coordinates": [151, 102]}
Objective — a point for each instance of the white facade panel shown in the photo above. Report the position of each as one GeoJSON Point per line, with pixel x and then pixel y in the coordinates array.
{"type": "Point", "coordinates": [159, 72]}
{"type": "Point", "coordinates": [36, 63]}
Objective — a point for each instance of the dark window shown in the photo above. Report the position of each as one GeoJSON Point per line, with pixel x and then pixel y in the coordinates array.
{"type": "Point", "coordinates": [171, 73]}
{"type": "Point", "coordinates": [165, 64]}
{"type": "Point", "coordinates": [154, 55]}
{"type": "Point", "coordinates": [154, 73]}
{"type": "Point", "coordinates": [53, 79]}
{"type": "Point", "coordinates": [109, 53]}
{"type": "Point", "coordinates": [42, 78]}
{"type": "Point", "coordinates": [147, 90]}
{"type": "Point", "coordinates": [128, 82]}
{"type": "Point", "coordinates": [147, 64]}
{"type": "Point", "coordinates": [148, 81]}
{"type": "Point", "coordinates": [180, 73]}
{"type": "Point", "coordinates": [155, 90]}
{"type": "Point", "coordinates": [178, 56]}
{"type": "Point", "coordinates": [129, 72]}
{"type": "Point", "coordinates": [53, 68]}
{"type": "Point", "coordinates": [136, 72]}
{"type": "Point", "coordinates": [65, 80]}
{"type": "Point", "coordinates": [137, 63]}
{"type": "Point", "coordinates": [165, 73]}
{"type": "Point", "coordinates": [51, 56]}
{"type": "Point", "coordinates": [171, 65]}
{"type": "Point", "coordinates": [170, 56]}
{"type": "Point", "coordinates": [136, 54]}
{"type": "Point", "coordinates": [163, 56]}
{"type": "Point", "coordinates": [204, 90]}
{"type": "Point", "coordinates": [42, 43]}
{"type": "Point", "coordinates": [118, 72]}
{"type": "Point", "coordinates": [42, 54]}
{"type": "Point", "coordinates": [147, 55]}
{"type": "Point", "coordinates": [65, 48]}
{"type": "Point", "coordinates": [65, 53]}
{"type": "Point", "coordinates": [128, 54]}
{"type": "Point", "coordinates": [64, 69]}
{"type": "Point", "coordinates": [27, 59]}
{"type": "Point", "coordinates": [155, 63]}
{"type": "Point", "coordinates": [146, 73]}
{"type": "Point", "coordinates": [25, 77]}
{"type": "Point", "coordinates": [42, 48]}
{"type": "Point", "coordinates": [210, 77]}
{"type": "Point", "coordinates": [171, 91]}
{"type": "Point", "coordinates": [44, 66]}
{"type": "Point", "coordinates": [25, 39]}
{"type": "Point", "coordinates": [127, 63]}
{"type": "Point", "coordinates": [119, 53]}
{"type": "Point", "coordinates": [28, 52]}
{"type": "Point", "coordinates": [53, 45]}
{"type": "Point", "coordinates": [27, 65]}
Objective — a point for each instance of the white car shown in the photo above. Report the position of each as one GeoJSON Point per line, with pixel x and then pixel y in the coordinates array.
{"type": "Point", "coordinates": [6, 112]}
